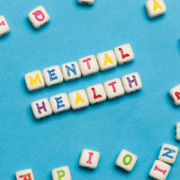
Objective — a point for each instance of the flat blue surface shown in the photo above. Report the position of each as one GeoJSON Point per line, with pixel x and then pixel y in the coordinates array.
{"type": "Point", "coordinates": [140, 122]}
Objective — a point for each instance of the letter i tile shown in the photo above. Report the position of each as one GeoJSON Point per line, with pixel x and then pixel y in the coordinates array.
{"type": "Point", "coordinates": [89, 159]}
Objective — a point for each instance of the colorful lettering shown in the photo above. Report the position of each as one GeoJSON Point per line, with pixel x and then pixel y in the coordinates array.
{"type": "Point", "coordinates": [90, 157]}
{"type": "Point", "coordinates": [61, 174]}
{"type": "Point", "coordinates": [34, 81]}
{"type": "Point", "coordinates": [52, 75]}
{"type": "Point", "coordinates": [26, 176]}
{"type": "Point", "coordinates": [107, 60]}
{"type": "Point", "coordinates": [177, 94]}
{"type": "Point", "coordinates": [156, 5]}
{"type": "Point", "coordinates": [72, 70]}
{"type": "Point", "coordinates": [2, 23]}
{"type": "Point", "coordinates": [42, 107]}
{"type": "Point", "coordinates": [130, 160]}
{"type": "Point", "coordinates": [94, 93]}
{"type": "Point", "coordinates": [113, 86]}
{"type": "Point", "coordinates": [79, 99]}
{"type": "Point", "coordinates": [37, 14]}
{"type": "Point", "coordinates": [130, 82]}
{"type": "Point", "coordinates": [122, 54]}
{"type": "Point", "coordinates": [156, 168]}
{"type": "Point", "coordinates": [87, 61]}
{"type": "Point", "coordinates": [169, 151]}
{"type": "Point", "coordinates": [59, 101]}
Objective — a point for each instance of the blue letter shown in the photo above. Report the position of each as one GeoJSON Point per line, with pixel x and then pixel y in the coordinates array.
{"type": "Point", "coordinates": [169, 151]}
{"type": "Point", "coordinates": [58, 101]}
{"type": "Point", "coordinates": [69, 69]}
{"type": "Point", "coordinates": [51, 74]}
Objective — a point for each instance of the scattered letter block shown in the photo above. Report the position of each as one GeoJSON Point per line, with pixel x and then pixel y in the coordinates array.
{"type": "Point", "coordinates": [132, 82]}
{"type": "Point", "coordinates": [178, 131]}
{"type": "Point", "coordinates": [155, 8]}
{"type": "Point", "coordinates": [4, 28]}
{"type": "Point", "coordinates": [160, 170]}
{"type": "Point", "coordinates": [88, 65]}
{"type": "Point", "coordinates": [87, 2]}
{"type": "Point", "coordinates": [26, 174]}
{"type": "Point", "coordinates": [114, 88]}
{"type": "Point", "coordinates": [34, 80]}
{"type": "Point", "coordinates": [168, 153]}
{"type": "Point", "coordinates": [89, 158]}
{"type": "Point", "coordinates": [175, 95]}
{"type": "Point", "coordinates": [41, 108]}
{"type": "Point", "coordinates": [38, 17]}
{"type": "Point", "coordinates": [126, 160]}
{"type": "Point", "coordinates": [62, 173]}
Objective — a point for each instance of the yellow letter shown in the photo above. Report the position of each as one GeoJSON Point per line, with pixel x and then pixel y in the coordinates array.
{"type": "Point", "coordinates": [37, 78]}
{"type": "Point", "coordinates": [107, 60]}
{"type": "Point", "coordinates": [156, 5]}
{"type": "Point", "coordinates": [78, 99]}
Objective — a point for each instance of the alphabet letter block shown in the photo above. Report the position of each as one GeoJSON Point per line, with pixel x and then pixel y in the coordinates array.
{"type": "Point", "coordinates": [34, 80]}
{"type": "Point", "coordinates": [38, 17]}
{"type": "Point", "coordinates": [126, 160]}
{"type": "Point", "coordinates": [132, 82]}
{"type": "Point", "coordinates": [160, 170]}
{"type": "Point", "coordinates": [89, 158]}
{"type": "Point", "coordinates": [62, 173]}
{"type": "Point", "coordinates": [175, 95]}
{"type": "Point", "coordinates": [87, 2]}
{"type": "Point", "coordinates": [168, 153]}
{"type": "Point", "coordinates": [178, 131]}
{"type": "Point", "coordinates": [26, 174]}
{"type": "Point", "coordinates": [155, 8]}
{"type": "Point", "coordinates": [41, 108]}
{"type": "Point", "coordinates": [4, 27]}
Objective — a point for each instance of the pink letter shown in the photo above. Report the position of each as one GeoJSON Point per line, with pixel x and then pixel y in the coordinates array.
{"type": "Point", "coordinates": [36, 14]}
{"type": "Point", "coordinates": [87, 61]}
{"type": "Point", "coordinates": [156, 168]}
{"type": "Point", "coordinates": [90, 156]}
{"type": "Point", "coordinates": [112, 84]}
{"type": "Point", "coordinates": [2, 23]}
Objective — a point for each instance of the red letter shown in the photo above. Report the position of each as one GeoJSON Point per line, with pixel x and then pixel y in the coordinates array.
{"type": "Point", "coordinates": [177, 95]}
{"type": "Point", "coordinates": [2, 23]}
{"type": "Point", "coordinates": [26, 176]}
{"type": "Point", "coordinates": [87, 61]}
{"type": "Point", "coordinates": [94, 92]}
{"type": "Point", "coordinates": [36, 14]}
{"type": "Point", "coordinates": [122, 54]}
{"type": "Point", "coordinates": [89, 160]}
{"type": "Point", "coordinates": [112, 84]}
{"type": "Point", "coordinates": [156, 168]}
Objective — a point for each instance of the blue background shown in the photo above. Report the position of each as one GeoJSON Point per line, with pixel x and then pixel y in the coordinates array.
{"type": "Point", "coordinates": [139, 122]}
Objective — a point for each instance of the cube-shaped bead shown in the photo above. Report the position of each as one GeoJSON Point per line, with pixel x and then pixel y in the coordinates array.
{"type": "Point", "coordinates": [78, 99]}
{"type": "Point", "coordinates": [178, 131]}
{"type": "Point", "coordinates": [41, 108]}
{"type": "Point", "coordinates": [26, 174]}
{"type": "Point", "coordinates": [87, 2]}
{"type": "Point", "coordinates": [38, 17]}
{"type": "Point", "coordinates": [34, 80]}
{"type": "Point", "coordinates": [132, 82]}
{"type": "Point", "coordinates": [89, 159]}
{"type": "Point", "coordinates": [96, 93]}
{"type": "Point", "coordinates": [126, 160]}
{"type": "Point", "coordinates": [168, 153]}
{"type": "Point", "coordinates": [114, 88]}
{"type": "Point", "coordinates": [106, 60]}
{"type": "Point", "coordinates": [175, 95]}
{"type": "Point", "coordinates": [124, 53]}
{"type": "Point", "coordinates": [4, 27]}
{"type": "Point", "coordinates": [88, 65]}
{"type": "Point", "coordinates": [160, 170]}
{"type": "Point", "coordinates": [155, 8]}
{"type": "Point", "coordinates": [52, 75]}
{"type": "Point", "coordinates": [59, 103]}
{"type": "Point", "coordinates": [71, 71]}
{"type": "Point", "coordinates": [62, 173]}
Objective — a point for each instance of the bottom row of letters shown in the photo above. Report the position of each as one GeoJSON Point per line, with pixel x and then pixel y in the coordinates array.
{"type": "Point", "coordinates": [81, 98]}
{"type": "Point", "coordinates": [125, 160]}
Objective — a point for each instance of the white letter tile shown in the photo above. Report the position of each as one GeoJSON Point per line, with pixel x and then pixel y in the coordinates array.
{"type": "Point", "coordinates": [175, 95]}
{"type": "Point", "coordinates": [87, 2]}
{"type": "Point", "coordinates": [26, 174]}
{"type": "Point", "coordinates": [178, 131]}
{"type": "Point", "coordinates": [4, 27]}
{"type": "Point", "coordinates": [62, 173]}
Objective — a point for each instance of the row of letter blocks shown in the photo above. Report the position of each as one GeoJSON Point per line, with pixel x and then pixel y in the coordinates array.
{"type": "Point", "coordinates": [81, 98]}
{"type": "Point", "coordinates": [85, 66]}
{"type": "Point", "coordinates": [88, 159]}
{"type": "Point", "coordinates": [161, 167]}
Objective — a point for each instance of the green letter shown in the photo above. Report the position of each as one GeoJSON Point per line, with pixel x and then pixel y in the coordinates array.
{"type": "Point", "coordinates": [62, 175]}
{"type": "Point", "coordinates": [124, 160]}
